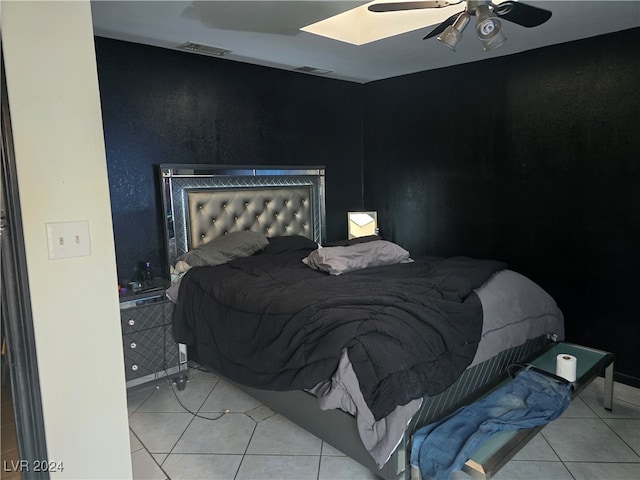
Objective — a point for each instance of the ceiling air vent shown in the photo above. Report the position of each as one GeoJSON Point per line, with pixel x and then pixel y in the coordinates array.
{"type": "Point", "coordinates": [204, 49]}
{"type": "Point", "coordinates": [317, 71]}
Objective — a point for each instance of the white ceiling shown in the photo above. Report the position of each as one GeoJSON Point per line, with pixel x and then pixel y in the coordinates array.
{"type": "Point", "coordinates": [268, 32]}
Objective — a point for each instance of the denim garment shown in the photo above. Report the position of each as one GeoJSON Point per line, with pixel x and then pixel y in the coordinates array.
{"type": "Point", "coordinates": [529, 400]}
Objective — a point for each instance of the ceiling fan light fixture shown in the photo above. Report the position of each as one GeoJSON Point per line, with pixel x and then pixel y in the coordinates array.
{"type": "Point", "coordinates": [487, 23]}
{"type": "Point", "coordinates": [494, 42]}
{"type": "Point", "coordinates": [489, 28]}
{"type": "Point", "coordinates": [452, 35]}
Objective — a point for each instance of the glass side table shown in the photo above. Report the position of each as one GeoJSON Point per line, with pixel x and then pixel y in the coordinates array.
{"type": "Point", "coordinates": [493, 454]}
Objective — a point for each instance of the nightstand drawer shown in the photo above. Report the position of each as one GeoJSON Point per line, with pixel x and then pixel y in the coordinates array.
{"type": "Point", "coordinates": [144, 316]}
{"type": "Point", "coordinates": [144, 351]}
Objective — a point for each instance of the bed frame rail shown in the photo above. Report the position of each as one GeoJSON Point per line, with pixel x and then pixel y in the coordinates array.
{"type": "Point", "coordinates": [339, 429]}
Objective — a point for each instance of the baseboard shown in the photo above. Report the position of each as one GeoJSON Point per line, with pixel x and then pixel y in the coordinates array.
{"type": "Point", "coordinates": [627, 379]}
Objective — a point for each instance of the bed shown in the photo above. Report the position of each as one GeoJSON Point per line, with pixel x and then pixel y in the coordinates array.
{"type": "Point", "coordinates": [359, 352]}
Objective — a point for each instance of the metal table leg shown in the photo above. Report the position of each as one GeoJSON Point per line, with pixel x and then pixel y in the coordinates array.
{"type": "Point", "coordinates": [608, 387]}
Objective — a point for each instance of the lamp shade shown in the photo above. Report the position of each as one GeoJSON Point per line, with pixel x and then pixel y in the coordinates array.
{"type": "Point", "coordinates": [361, 224]}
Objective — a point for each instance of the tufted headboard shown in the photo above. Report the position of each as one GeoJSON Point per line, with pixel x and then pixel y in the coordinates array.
{"type": "Point", "coordinates": [203, 202]}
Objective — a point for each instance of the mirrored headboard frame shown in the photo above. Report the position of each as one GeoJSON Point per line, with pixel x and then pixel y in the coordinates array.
{"type": "Point", "coordinates": [177, 181]}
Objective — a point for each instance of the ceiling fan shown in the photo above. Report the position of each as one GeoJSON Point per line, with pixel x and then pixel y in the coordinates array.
{"type": "Point", "coordinates": [487, 13]}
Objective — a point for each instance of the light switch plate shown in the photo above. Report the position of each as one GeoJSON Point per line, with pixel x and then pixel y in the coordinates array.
{"type": "Point", "coordinates": [68, 239]}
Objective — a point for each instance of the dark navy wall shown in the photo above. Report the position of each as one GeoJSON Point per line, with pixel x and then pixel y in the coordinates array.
{"type": "Point", "coordinates": [532, 159]}
{"type": "Point", "coordinates": [161, 106]}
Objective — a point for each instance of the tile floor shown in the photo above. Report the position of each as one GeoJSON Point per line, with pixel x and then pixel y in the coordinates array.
{"type": "Point", "coordinates": [253, 443]}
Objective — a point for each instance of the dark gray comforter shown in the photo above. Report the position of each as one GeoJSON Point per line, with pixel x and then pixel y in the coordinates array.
{"type": "Point", "coordinates": [269, 321]}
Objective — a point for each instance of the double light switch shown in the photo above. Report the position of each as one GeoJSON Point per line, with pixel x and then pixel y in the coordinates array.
{"type": "Point", "coordinates": [68, 239]}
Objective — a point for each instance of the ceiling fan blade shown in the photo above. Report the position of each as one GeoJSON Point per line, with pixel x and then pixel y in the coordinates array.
{"type": "Point", "coordinates": [522, 14]}
{"type": "Point", "coordinates": [400, 6]}
{"type": "Point", "coordinates": [440, 28]}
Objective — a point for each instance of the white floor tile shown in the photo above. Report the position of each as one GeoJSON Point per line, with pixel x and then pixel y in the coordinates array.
{"type": "Point", "coordinates": [135, 443]}
{"type": "Point", "coordinates": [579, 409]}
{"type": "Point", "coordinates": [145, 468]}
{"type": "Point", "coordinates": [167, 398]}
{"type": "Point", "coordinates": [202, 466]}
{"type": "Point", "coordinates": [518, 470]}
{"type": "Point", "coordinates": [587, 440]}
{"type": "Point", "coordinates": [621, 391]}
{"type": "Point", "coordinates": [159, 432]}
{"type": "Point", "coordinates": [226, 396]}
{"type": "Point", "coordinates": [278, 467]}
{"type": "Point", "coordinates": [621, 408]}
{"type": "Point", "coordinates": [331, 451]}
{"type": "Point", "coordinates": [251, 442]}
{"type": "Point", "coordinates": [260, 413]}
{"type": "Point", "coordinates": [137, 397]}
{"type": "Point", "coordinates": [230, 434]}
{"type": "Point", "coordinates": [159, 457]}
{"type": "Point", "coordinates": [605, 471]}
{"type": "Point", "coordinates": [200, 374]}
{"type": "Point", "coordinates": [343, 468]}
{"type": "Point", "coordinates": [628, 430]}
{"type": "Point", "coordinates": [278, 436]}
{"type": "Point", "coordinates": [538, 449]}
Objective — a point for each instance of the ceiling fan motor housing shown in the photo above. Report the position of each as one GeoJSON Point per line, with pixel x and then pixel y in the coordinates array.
{"type": "Point", "coordinates": [472, 5]}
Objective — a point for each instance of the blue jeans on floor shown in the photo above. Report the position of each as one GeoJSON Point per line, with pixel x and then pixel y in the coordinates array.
{"type": "Point", "coordinates": [529, 400]}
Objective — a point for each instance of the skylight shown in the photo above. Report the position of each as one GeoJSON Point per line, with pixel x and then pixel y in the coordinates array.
{"type": "Point", "coordinates": [359, 26]}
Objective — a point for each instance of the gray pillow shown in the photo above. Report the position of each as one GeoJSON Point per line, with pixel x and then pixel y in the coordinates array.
{"type": "Point", "coordinates": [338, 260]}
{"type": "Point", "coordinates": [225, 248]}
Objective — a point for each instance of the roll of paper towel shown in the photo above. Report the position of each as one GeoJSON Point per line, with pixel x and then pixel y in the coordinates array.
{"type": "Point", "coordinates": [566, 366]}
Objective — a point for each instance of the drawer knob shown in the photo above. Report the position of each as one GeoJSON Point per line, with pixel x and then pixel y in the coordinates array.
{"type": "Point", "coordinates": [133, 344]}
{"type": "Point", "coordinates": [134, 367]}
{"type": "Point", "coordinates": [132, 322]}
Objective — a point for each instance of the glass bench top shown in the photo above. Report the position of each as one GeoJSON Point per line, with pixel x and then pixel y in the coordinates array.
{"type": "Point", "coordinates": [586, 357]}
